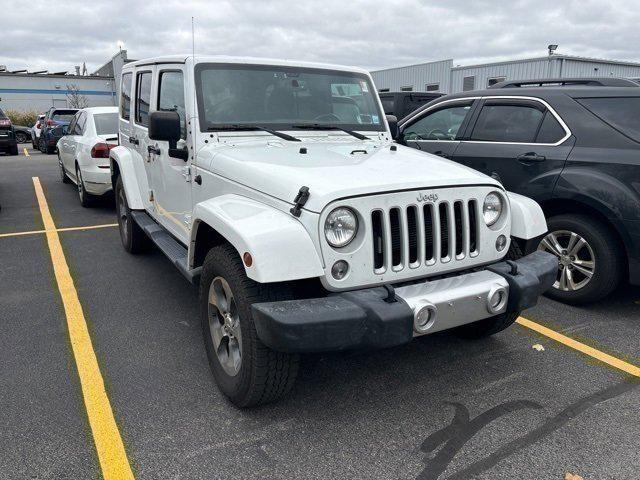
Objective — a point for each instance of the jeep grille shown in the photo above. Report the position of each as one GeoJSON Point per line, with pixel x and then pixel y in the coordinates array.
{"type": "Point", "coordinates": [424, 235]}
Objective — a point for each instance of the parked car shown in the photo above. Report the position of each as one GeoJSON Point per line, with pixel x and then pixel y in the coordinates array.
{"type": "Point", "coordinates": [52, 128]}
{"type": "Point", "coordinates": [401, 104]}
{"type": "Point", "coordinates": [35, 131]}
{"type": "Point", "coordinates": [83, 153]}
{"type": "Point", "coordinates": [573, 145]}
{"type": "Point", "coordinates": [8, 142]}
{"type": "Point", "coordinates": [23, 134]}
{"type": "Point", "coordinates": [276, 187]}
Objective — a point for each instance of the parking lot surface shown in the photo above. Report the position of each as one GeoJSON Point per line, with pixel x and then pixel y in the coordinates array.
{"type": "Point", "coordinates": [518, 405]}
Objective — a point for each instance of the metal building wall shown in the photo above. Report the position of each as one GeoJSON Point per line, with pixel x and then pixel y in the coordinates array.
{"type": "Point", "coordinates": [584, 68]}
{"type": "Point", "coordinates": [534, 68]}
{"type": "Point", "coordinates": [29, 92]}
{"type": "Point", "coordinates": [415, 76]}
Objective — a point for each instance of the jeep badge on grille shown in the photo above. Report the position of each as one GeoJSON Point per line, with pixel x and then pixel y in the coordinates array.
{"type": "Point", "coordinates": [427, 197]}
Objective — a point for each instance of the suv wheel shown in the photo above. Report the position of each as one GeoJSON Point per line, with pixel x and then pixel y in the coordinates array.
{"type": "Point", "coordinates": [134, 240]}
{"type": "Point", "coordinates": [246, 371]}
{"type": "Point", "coordinates": [21, 137]}
{"type": "Point", "coordinates": [589, 258]}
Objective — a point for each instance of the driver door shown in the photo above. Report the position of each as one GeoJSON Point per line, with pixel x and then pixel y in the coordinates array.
{"type": "Point", "coordinates": [437, 130]}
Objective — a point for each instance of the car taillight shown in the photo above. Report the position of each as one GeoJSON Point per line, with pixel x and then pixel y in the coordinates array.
{"type": "Point", "coordinates": [101, 150]}
{"type": "Point", "coordinates": [38, 125]}
{"type": "Point", "coordinates": [5, 122]}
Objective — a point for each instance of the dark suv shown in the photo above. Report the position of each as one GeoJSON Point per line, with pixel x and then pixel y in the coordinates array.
{"type": "Point", "coordinates": [8, 142]}
{"type": "Point", "coordinates": [53, 127]}
{"type": "Point", "coordinates": [573, 145]}
{"type": "Point", "coordinates": [401, 104]}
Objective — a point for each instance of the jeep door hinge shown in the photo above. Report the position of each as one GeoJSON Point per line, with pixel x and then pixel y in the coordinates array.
{"type": "Point", "coordinates": [186, 173]}
{"type": "Point", "coordinates": [299, 201]}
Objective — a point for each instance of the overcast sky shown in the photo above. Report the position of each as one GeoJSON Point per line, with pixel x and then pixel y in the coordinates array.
{"type": "Point", "coordinates": [56, 35]}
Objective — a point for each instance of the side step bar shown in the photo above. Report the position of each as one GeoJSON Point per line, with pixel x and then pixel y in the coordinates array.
{"type": "Point", "coordinates": [168, 245]}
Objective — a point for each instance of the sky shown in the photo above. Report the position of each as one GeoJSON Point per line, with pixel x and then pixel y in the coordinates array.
{"type": "Point", "coordinates": [367, 33]}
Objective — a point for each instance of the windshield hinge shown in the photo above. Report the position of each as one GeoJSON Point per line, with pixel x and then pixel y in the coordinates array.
{"type": "Point", "coordinates": [299, 201]}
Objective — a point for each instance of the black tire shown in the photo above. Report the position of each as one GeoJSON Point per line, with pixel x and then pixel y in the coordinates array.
{"type": "Point", "coordinates": [21, 137]}
{"type": "Point", "coordinates": [86, 199]}
{"type": "Point", "coordinates": [487, 327]}
{"type": "Point", "coordinates": [133, 238]}
{"type": "Point", "coordinates": [608, 255]}
{"type": "Point", "coordinates": [63, 175]}
{"type": "Point", "coordinates": [264, 375]}
{"type": "Point", "coordinates": [13, 150]}
{"type": "Point", "coordinates": [49, 150]}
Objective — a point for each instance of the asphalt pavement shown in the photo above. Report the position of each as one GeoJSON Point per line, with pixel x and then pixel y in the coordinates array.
{"type": "Point", "coordinates": [517, 405]}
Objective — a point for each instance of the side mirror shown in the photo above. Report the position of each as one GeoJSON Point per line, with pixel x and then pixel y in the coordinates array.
{"type": "Point", "coordinates": [165, 127]}
{"type": "Point", "coordinates": [392, 120]}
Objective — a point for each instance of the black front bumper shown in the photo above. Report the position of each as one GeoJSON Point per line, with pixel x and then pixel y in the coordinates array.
{"type": "Point", "coordinates": [366, 319]}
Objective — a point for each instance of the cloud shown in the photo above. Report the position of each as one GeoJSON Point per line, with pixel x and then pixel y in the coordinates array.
{"type": "Point", "coordinates": [371, 34]}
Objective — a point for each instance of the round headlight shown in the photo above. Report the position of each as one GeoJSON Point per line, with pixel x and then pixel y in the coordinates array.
{"type": "Point", "coordinates": [340, 227]}
{"type": "Point", "coordinates": [492, 208]}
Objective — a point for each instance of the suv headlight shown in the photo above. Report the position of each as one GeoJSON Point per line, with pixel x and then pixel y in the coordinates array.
{"type": "Point", "coordinates": [492, 208]}
{"type": "Point", "coordinates": [340, 227]}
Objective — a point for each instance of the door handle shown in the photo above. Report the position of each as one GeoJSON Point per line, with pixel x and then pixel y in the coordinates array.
{"type": "Point", "coordinates": [440, 153]}
{"type": "Point", "coordinates": [530, 158]}
{"type": "Point", "coordinates": [134, 140]}
{"type": "Point", "coordinates": [153, 149]}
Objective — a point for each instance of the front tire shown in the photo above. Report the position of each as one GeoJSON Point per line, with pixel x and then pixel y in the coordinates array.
{"type": "Point", "coordinates": [246, 371]}
{"type": "Point", "coordinates": [134, 240]}
{"type": "Point", "coordinates": [590, 258]}
{"type": "Point", "coordinates": [21, 137]}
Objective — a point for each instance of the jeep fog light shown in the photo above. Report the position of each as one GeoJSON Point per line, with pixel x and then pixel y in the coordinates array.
{"type": "Point", "coordinates": [424, 317]}
{"type": "Point", "coordinates": [339, 269]}
{"type": "Point", "coordinates": [497, 299]}
{"type": "Point", "coordinates": [340, 227]}
{"type": "Point", "coordinates": [501, 242]}
{"type": "Point", "coordinates": [492, 208]}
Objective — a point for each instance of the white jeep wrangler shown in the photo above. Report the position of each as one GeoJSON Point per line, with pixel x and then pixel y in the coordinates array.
{"type": "Point", "coordinates": [277, 187]}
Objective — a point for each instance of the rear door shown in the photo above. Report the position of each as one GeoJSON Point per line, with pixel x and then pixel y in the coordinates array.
{"type": "Point", "coordinates": [64, 149]}
{"type": "Point", "coordinates": [522, 141]}
{"type": "Point", "coordinates": [438, 129]}
{"type": "Point", "coordinates": [139, 136]}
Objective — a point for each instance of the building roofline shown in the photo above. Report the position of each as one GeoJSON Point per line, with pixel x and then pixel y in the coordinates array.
{"type": "Point", "coordinates": [51, 75]}
{"type": "Point", "coordinates": [412, 65]}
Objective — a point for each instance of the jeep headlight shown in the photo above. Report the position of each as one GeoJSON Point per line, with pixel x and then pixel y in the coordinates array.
{"type": "Point", "coordinates": [492, 208]}
{"type": "Point", "coordinates": [340, 227]}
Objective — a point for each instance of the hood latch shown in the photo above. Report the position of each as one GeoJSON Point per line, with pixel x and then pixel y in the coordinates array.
{"type": "Point", "coordinates": [299, 201]}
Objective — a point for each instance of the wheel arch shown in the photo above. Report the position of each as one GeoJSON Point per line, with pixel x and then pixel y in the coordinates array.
{"type": "Point", "coordinates": [274, 239]}
{"type": "Point", "coordinates": [122, 165]}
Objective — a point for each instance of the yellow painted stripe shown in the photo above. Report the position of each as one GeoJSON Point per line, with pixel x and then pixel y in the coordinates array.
{"type": "Point", "coordinates": [66, 229]}
{"type": "Point", "coordinates": [26, 152]}
{"type": "Point", "coordinates": [111, 453]}
{"type": "Point", "coordinates": [581, 347]}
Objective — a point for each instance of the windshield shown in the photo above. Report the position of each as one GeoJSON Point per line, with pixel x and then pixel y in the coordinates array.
{"type": "Point", "coordinates": [63, 115]}
{"type": "Point", "coordinates": [106, 123]}
{"type": "Point", "coordinates": [285, 98]}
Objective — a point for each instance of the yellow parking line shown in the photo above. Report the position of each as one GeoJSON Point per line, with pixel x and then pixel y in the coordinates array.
{"type": "Point", "coordinates": [26, 152]}
{"type": "Point", "coordinates": [66, 229]}
{"type": "Point", "coordinates": [111, 453]}
{"type": "Point", "coordinates": [581, 347]}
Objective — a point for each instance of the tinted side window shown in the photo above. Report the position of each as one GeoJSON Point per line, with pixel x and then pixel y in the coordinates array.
{"type": "Point", "coordinates": [125, 96]}
{"type": "Point", "coordinates": [79, 126]}
{"type": "Point", "coordinates": [507, 123]}
{"type": "Point", "coordinates": [171, 97]}
{"type": "Point", "coordinates": [442, 124]}
{"type": "Point", "coordinates": [550, 131]}
{"type": "Point", "coordinates": [143, 98]}
{"type": "Point", "coordinates": [622, 113]}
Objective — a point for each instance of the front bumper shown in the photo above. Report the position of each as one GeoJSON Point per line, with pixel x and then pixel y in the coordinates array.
{"type": "Point", "coordinates": [372, 318]}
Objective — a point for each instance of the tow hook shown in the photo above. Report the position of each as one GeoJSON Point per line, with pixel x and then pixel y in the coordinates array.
{"type": "Point", "coordinates": [299, 201]}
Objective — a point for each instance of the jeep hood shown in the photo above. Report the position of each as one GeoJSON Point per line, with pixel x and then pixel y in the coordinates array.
{"type": "Point", "coordinates": [333, 170]}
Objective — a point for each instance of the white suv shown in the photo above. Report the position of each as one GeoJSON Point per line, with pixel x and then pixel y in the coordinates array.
{"type": "Point", "coordinates": [276, 186]}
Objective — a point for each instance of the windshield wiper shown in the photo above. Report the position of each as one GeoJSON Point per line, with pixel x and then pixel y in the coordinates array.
{"type": "Point", "coordinates": [249, 128]}
{"type": "Point", "coordinates": [320, 126]}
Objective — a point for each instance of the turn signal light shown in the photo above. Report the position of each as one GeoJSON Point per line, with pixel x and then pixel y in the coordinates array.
{"type": "Point", "coordinates": [101, 150]}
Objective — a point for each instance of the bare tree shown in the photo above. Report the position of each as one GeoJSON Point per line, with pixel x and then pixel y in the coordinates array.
{"type": "Point", "coordinates": [75, 99]}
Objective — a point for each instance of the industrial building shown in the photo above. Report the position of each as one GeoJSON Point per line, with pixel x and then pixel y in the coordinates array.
{"type": "Point", "coordinates": [38, 91]}
{"type": "Point", "coordinates": [443, 76]}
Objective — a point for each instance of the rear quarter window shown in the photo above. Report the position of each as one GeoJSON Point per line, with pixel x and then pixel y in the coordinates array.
{"type": "Point", "coordinates": [622, 113]}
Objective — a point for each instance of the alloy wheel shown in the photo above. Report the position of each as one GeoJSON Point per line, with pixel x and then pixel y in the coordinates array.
{"type": "Point", "coordinates": [224, 326]}
{"type": "Point", "coordinates": [576, 260]}
{"type": "Point", "coordinates": [80, 185]}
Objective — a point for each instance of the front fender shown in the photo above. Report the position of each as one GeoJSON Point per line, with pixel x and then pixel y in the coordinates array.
{"type": "Point", "coordinates": [527, 218]}
{"type": "Point", "coordinates": [278, 243]}
{"type": "Point", "coordinates": [134, 182]}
